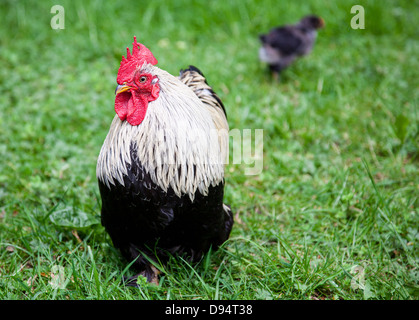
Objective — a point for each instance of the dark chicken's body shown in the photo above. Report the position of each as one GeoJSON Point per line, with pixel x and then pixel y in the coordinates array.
{"type": "Point", "coordinates": [160, 171]}
{"type": "Point", "coordinates": [283, 44]}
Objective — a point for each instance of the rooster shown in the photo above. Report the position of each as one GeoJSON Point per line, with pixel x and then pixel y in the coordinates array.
{"type": "Point", "coordinates": [161, 167]}
{"type": "Point", "coordinates": [282, 45]}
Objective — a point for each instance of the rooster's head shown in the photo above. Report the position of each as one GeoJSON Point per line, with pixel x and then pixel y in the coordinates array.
{"type": "Point", "coordinates": [135, 88]}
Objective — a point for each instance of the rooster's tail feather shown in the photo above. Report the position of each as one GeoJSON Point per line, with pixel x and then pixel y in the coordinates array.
{"type": "Point", "coordinates": [195, 79]}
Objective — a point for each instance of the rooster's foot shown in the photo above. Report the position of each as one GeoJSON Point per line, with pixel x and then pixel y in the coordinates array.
{"type": "Point", "coordinates": [151, 274]}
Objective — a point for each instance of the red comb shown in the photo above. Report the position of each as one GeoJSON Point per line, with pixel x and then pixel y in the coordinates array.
{"type": "Point", "coordinates": [140, 54]}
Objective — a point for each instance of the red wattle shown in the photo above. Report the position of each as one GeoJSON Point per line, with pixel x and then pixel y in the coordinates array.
{"type": "Point", "coordinates": [137, 108]}
{"type": "Point", "coordinates": [121, 104]}
{"type": "Point", "coordinates": [132, 105]}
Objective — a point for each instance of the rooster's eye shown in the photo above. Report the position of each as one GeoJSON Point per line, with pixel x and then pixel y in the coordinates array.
{"type": "Point", "coordinates": [143, 79]}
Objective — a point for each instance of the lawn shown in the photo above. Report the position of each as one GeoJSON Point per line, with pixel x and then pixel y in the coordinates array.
{"type": "Point", "coordinates": [333, 214]}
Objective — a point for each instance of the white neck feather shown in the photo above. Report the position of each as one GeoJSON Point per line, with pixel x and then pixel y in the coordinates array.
{"type": "Point", "coordinates": [178, 142]}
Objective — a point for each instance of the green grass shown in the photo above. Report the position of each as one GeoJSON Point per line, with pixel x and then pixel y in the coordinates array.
{"type": "Point", "coordinates": [339, 187]}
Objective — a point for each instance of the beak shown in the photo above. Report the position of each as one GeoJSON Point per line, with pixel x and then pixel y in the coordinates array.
{"type": "Point", "coordinates": [121, 88]}
{"type": "Point", "coordinates": [322, 23]}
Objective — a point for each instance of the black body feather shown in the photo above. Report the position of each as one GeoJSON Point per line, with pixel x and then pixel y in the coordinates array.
{"type": "Point", "coordinates": [283, 39]}
{"type": "Point", "coordinates": [142, 219]}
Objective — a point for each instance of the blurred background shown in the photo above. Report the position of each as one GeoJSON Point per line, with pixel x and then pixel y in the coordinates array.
{"type": "Point", "coordinates": [340, 118]}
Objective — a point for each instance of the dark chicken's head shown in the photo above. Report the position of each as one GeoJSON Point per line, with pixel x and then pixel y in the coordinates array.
{"type": "Point", "coordinates": [312, 22]}
{"type": "Point", "coordinates": [135, 88]}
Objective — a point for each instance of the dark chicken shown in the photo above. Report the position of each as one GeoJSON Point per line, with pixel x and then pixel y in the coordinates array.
{"type": "Point", "coordinates": [282, 45]}
{"type": "Point", "coordinates": [161, 167]}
